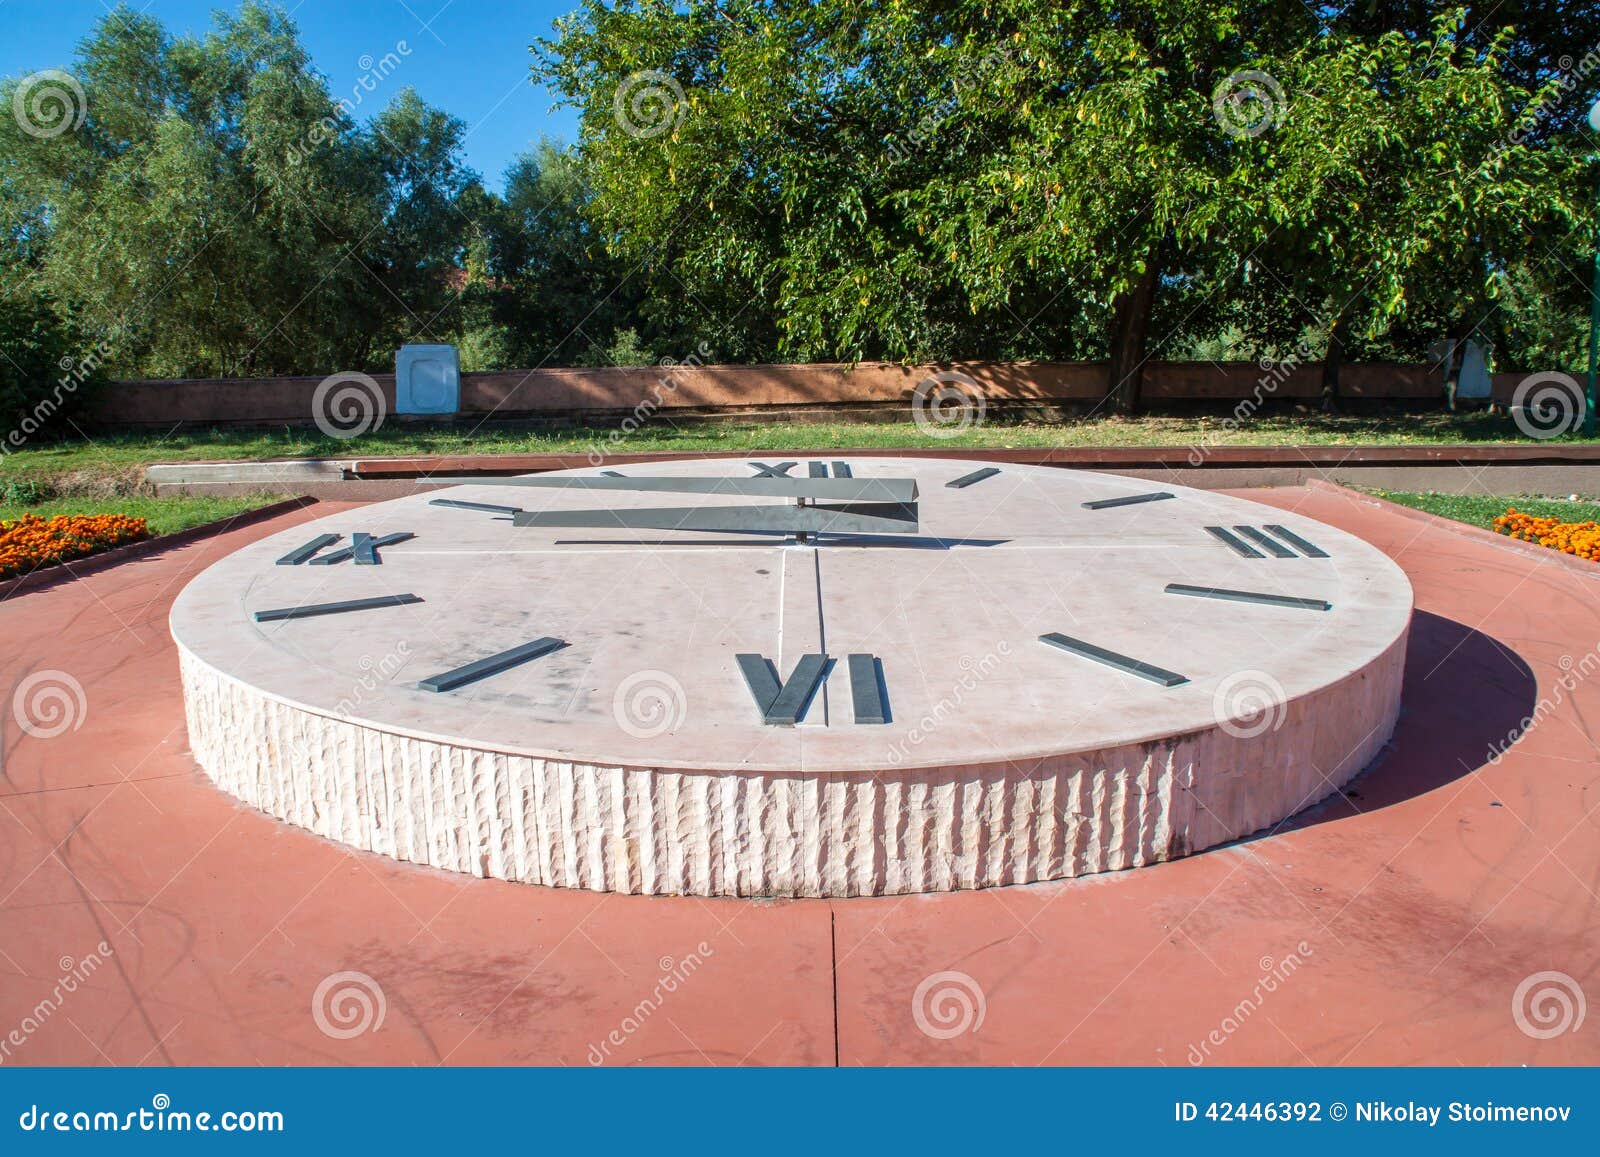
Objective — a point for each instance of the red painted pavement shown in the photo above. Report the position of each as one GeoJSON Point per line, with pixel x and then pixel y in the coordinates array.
{"type": "Point", "coordinates": [1394, 925]}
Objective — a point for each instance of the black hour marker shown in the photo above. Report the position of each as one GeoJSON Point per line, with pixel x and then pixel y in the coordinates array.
{"type": "Point", "coordinates": [1273, 546]}
{"type": "Point", "coordinates": [493, 665]}
{"type": "Point", "coordinates": [300, 553]}
{"type": "Point", "coordinates": [842, 470]}
{"type": "Point", "coordinates": [613, 473]}
{"type": "Point", "coordinates": [790, 705]}
{"type": "Point", "coordinates": [1237, 544]}
{"type": "Point", "coordinates": [760, 677]}
{"type": "Point", "coordinates": [1111, 659]}
{"type": "Point", "coordinates": [370, 547]}
{"type": "Point", "coordinates": [976, 476]}
{"type": "Point", "coordinates": [1310, 550]}
{"type": "Point", "coordinates": [781, 470]}
{"type": "Point", "coordinates": [462, 504]}
{"type": "Point", "coordinates": [361, 550]}
{"type": "Point", "coordinates": [785, 705]}
{"type": "Point", "coordinates": [1129, 500]}
{"type": "Point", "coordinates": [817, 469]}
{"type": "Point", "coordinates": [866, 690]}
{"type": "Point", "coordinates": [311, 610]}
{"type": "Point", "coordinates": [1249, 597]}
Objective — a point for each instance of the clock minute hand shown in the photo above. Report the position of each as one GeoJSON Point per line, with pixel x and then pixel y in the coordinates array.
{"type": "Point", "coordinates": [825, 489]}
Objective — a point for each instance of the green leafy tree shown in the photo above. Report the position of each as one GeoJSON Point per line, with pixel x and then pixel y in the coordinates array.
{"type": "Point", "coordinates": [220, 213]}
{"type": "Point", "coordinates": [911, 181]}
{"type": "Point", "coordinates": [543, 288]}
{"type": "Point", "coordinates": [418, 228]}
{"type": "Point", "coordinates": [40, 382]}
{"type": "Point", "coordinates": [1400, 191]}
{"type": "Point", "coordinates": [47, 367]}
{"type": "Point", "coordinates": [749, 159]}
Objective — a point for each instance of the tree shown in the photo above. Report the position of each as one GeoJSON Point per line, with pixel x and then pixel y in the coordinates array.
{"type": "Point", "coordinates": [219, 213]}
{"type": "Point", "coordinates": [542, 288]}
{"type": "Point", "coordinates": [909, 180]}
{"type": "Point", "coordinates": [749, 157]}
{"type": "Point", "coordinates": [418, 229]}
{"type": "Point", "coordinates": [1399, 190]}
{"type": "Point", "coordinates": [47, 367]}
{"type": "Point", "coordinates": [41, 378]}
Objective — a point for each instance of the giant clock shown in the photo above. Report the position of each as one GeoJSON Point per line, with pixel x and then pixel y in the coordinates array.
{"type": "Point", "coordinates": [853, 676]}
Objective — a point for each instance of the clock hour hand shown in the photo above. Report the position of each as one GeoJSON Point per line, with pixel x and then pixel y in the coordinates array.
{"type": "Point", "coordinates": [845, 518]}
{"type": "Point", "coordinates": [823, 489]}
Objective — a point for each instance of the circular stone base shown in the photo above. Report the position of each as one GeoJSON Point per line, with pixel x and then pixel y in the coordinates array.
{"type": "Point", "coordinates": [634, 759]}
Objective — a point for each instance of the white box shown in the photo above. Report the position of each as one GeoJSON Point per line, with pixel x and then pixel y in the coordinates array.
{"type": "Point", "coordinates": [427, 379]}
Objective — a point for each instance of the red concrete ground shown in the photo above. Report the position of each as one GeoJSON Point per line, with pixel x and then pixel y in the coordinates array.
{"type": "Point", "coordinates": [1392, 926]}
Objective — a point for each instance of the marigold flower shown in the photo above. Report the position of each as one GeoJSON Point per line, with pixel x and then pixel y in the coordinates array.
{"type": "Point", "coordinates": [1581, 539]}
{"type": "Point", "coordinates": [30, 542]}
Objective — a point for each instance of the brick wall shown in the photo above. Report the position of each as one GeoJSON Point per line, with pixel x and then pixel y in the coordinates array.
{"type": "Point", "coordinates": [572, 393]}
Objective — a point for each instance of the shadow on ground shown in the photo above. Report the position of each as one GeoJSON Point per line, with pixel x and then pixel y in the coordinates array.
{"type": "Point", "coordinates": [1466, 697]}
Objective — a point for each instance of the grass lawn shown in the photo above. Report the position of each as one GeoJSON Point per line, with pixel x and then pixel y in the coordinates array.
{"type": "Point", "coordinates": [105, 474]}
{"type": "Point", "coordinates": [164, 515]}
{"type": "Point", "coordinates": [1481, 510]}
{"type": "Point", "coordinates": [114, 463]}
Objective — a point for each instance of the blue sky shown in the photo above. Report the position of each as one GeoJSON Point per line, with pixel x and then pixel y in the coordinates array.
{"type": "Point", "coordinates": [469, 57]}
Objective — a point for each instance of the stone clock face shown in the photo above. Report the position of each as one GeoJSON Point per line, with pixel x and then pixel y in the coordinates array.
{"type": "Point", "coordinates": [1032, 612]}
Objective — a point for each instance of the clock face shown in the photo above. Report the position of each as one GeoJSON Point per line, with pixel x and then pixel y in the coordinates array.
{"type": "Point", "coordinates": [905, 613]}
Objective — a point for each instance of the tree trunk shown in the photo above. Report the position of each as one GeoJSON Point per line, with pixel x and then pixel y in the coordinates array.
{"type": "Point", "coordinates": [1337, 337]}
{"type": "Point", "coordinates": [1130, 329]}
{"type": "Point", "coordinates": [1459, 334]}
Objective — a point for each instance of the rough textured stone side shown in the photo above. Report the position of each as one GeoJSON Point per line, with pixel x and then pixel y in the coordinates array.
{"type": "Point", "coordinates": [645, 830]}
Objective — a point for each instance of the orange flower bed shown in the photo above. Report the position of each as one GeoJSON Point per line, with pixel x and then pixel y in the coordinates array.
{"type": "Point", "coordinates": [30, 542]}
{"type": "Point", "coordinates": [1577, 538]}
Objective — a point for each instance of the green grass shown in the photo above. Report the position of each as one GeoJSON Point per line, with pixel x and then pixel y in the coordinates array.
{"type": "Point", "coordinates": [1482, 510]}
{"type": "Point", "coordinates": [164, 515]}
{"type": "Point", "coordinates": [114, 463]}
